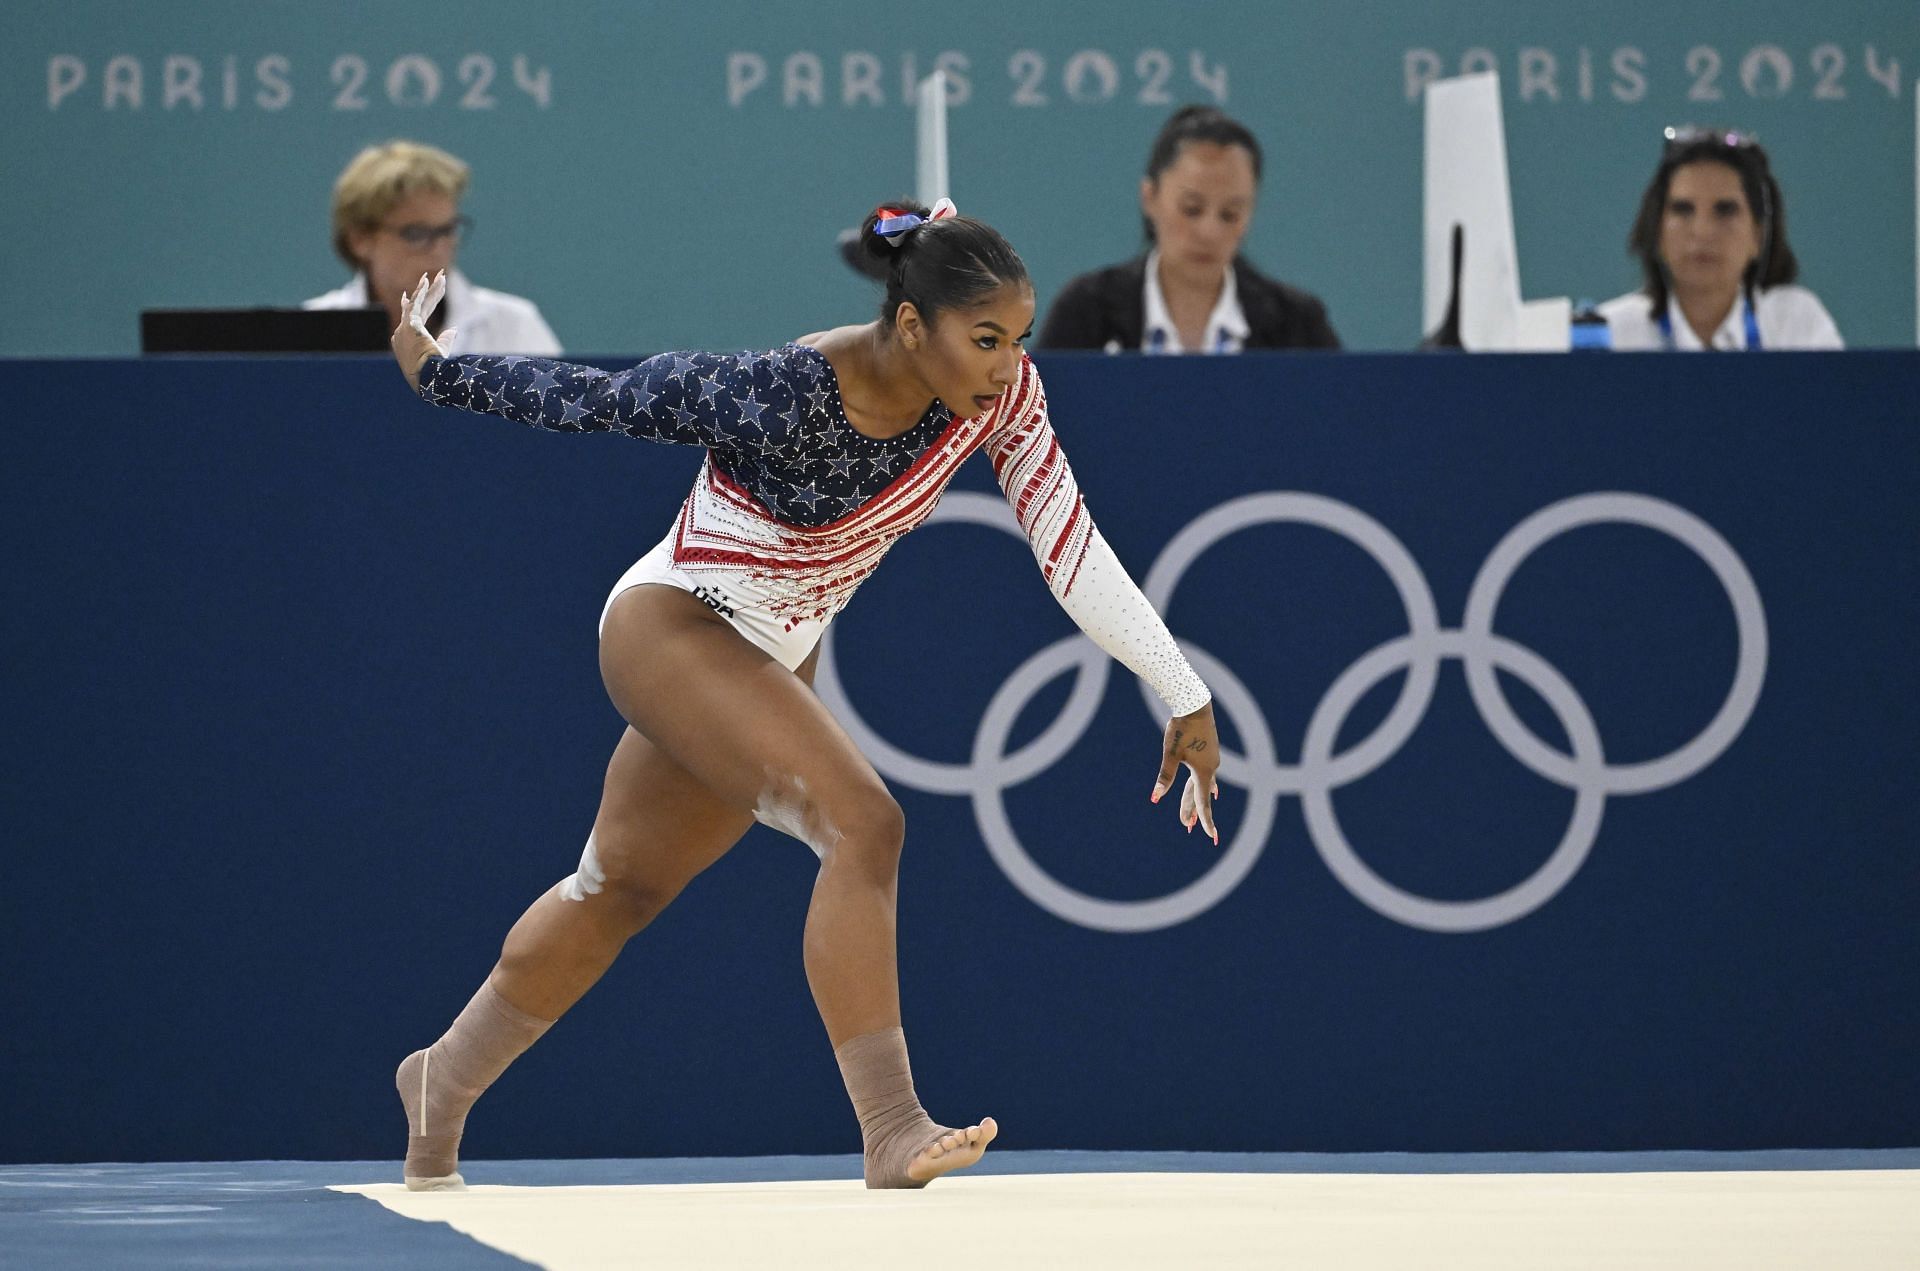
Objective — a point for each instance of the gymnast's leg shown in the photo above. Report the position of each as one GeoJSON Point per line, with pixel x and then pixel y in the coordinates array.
{"type": "Point", "coordinates": [656, 829]}
{"type": "Point", "coordinates": [755, 735]}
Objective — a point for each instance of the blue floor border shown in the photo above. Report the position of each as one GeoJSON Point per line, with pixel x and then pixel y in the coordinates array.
{"type": "Point", "coordinates": [243, 1214]}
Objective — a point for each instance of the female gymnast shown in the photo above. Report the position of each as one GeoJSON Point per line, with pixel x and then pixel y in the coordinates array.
{"type": "Point", "coordinates": [820, 454]}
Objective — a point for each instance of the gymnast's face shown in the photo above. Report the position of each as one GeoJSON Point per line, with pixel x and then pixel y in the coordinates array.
{"type": "Point", "coordinates": [1708, 234]}
{"type": "Point", "coordinates": [419, 236]}
{"type": "Point", "coordinates": [969, 356]}
{"type": "Point", "coordinates": [1200, 206]}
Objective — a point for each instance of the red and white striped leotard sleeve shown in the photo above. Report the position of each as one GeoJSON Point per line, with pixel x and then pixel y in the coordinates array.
{"type": "Point", "coordinates": [1081, 570]}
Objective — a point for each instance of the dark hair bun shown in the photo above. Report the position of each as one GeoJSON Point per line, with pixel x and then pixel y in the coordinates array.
{"type": "Point", "coordinates": [1199, 123]}
{"type": "Point", "coordinates": [881, 250]}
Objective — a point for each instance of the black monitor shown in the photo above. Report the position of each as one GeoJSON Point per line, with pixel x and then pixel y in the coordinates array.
{"type": "Point", "coordinates": [263, 331]}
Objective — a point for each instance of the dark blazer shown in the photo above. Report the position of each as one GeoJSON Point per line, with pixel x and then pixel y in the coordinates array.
{"type": "Point", "coordinates": [1110, 304]}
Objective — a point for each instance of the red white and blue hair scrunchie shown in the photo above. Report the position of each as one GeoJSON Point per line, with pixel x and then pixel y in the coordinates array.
{"type": "Point", "coordinates": [894, 224]}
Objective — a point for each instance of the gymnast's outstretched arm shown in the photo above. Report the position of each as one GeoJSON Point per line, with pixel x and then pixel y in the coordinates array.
{"type": "Point", "coordinates": [686, 398]}
{"type": "Point", "coordinates": [1095, 590]}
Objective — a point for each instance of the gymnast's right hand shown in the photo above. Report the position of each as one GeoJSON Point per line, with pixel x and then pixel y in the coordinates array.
{"type": "Point", "coordinates": [412, 345]}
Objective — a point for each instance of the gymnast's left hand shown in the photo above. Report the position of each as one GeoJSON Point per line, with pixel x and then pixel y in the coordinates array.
{"type": "Point", "coordinates": [412, 345]}
{"type": "Point", "coordinates": [1191, 740]}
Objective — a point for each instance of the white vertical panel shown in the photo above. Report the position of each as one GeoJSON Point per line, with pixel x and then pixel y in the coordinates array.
{"type": "Point", "coordinates": [931, 153]}
{"type": "Point", "coordinates": [1466, 185]}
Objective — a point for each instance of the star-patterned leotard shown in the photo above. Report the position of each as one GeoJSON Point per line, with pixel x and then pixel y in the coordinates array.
{"type": "Point", "coordinates": [794, 508]}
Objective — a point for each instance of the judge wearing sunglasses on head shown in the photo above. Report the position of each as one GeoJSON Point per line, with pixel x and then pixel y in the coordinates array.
{"type": "Point", "coordinates": [396, 216]}
{"type": "Point", "coordinates": [1711, 238]}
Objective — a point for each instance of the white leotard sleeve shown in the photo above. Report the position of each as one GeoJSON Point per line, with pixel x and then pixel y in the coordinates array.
{"type": "Point", "coordinates": [1081, 570]}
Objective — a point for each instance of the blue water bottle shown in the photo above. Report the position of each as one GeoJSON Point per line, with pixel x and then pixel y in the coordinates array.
{"type": "Point", "coordinates": [1589, 331]}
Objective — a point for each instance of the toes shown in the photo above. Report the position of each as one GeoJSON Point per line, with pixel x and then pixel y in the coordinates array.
{"type": "Point", "coordinates": [952, 1150]}
{"type": "Point", "coordinates": [952, 1142]}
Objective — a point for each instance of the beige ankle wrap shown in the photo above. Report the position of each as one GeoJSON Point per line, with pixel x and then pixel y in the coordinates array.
{"type": "Point", "coordinates": [438, 1085]}
{"type": "Point", "coordinates": [892, 1123]}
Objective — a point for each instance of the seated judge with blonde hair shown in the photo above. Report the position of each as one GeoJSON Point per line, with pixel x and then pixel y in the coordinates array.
{"type": "Point", "coordinates": [396, 216]}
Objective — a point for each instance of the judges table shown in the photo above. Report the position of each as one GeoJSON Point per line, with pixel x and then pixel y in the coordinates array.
{"type": "Point", "coordinates": [1568, 802]}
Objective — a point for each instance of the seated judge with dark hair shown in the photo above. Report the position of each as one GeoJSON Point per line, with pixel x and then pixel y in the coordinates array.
{"type": "Point", "coordinates": [1192, 292]}
{"type": "Point", "coordinates": [1711, 239]}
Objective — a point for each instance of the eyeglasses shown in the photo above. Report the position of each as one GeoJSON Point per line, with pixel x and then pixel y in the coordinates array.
{"type": "Point", "coordinates": [1684, 135]}
{"type": "Point", "coordinates": [421, 237]}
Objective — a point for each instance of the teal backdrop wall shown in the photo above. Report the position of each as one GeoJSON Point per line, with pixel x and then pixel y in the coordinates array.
{"type": "Point", "coordinates": [660, 175]}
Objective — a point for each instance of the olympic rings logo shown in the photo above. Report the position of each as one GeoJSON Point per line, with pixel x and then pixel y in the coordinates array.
{"type": "Point", "coordinates": [1320, 770]}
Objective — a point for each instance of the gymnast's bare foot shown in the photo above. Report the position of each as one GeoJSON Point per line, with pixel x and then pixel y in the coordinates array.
{"type": "Point", "coordinates": [956, 1149]}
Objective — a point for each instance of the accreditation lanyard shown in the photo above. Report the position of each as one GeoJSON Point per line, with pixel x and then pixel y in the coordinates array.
{"type": "Point", "coordinates": [1753, 331]}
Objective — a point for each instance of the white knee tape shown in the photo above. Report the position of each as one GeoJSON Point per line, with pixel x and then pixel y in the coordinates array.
{"type": "Point", "coordinates": [588, 879]}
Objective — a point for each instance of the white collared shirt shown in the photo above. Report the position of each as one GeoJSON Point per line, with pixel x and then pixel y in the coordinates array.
{"type": "Point", "coordinates": [1226, 326]}
{"type": "Point", "coordinates": [483, 321]}
{"type": "Point", "coordinates": [1789, 317]}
